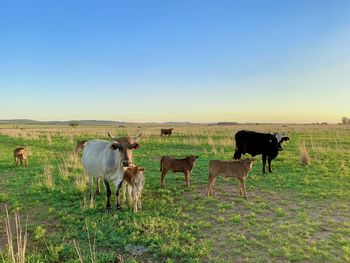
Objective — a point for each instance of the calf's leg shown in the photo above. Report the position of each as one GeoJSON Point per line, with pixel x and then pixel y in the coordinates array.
{"type": "Point", "coordinates": [242, 187]}
{"type": "Point", "coordinates": [187, 176]}
{"type": "Point", "coordinates": [139, 201]}
{"type": "Point", "coordinates": [162, 184]}
{"type": "Point", "coordinates": [130, 199]}
{"type": "Point", "coordinates": [135, 197]}
{"type": "Point", "coordinates": [211, 182]}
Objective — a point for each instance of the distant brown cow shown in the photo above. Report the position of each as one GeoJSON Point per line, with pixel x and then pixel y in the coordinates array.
{"type": "Point", "coordinates": [135, 179]}
{"type": "Point", "coordinates": [184, 165]}
{"type": "Point", "coordinates": [80, 146]}
{"type": "Point", "coordinates": [166, 131]}
{"type": "Point", "coordinates": [20, 155]}
{"type": "Point", "coordinates": [238, 169]}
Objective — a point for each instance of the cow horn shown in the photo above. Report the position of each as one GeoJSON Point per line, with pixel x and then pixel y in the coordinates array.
{"type": "Point", "coordinates": [111, 136]}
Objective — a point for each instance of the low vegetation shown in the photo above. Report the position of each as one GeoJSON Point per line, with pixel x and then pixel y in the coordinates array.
{"type": "Point", "coordinates": [297, 213]}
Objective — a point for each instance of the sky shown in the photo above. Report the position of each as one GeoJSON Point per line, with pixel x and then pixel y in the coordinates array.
{"type": "Point", "coordinates": [155, 61]}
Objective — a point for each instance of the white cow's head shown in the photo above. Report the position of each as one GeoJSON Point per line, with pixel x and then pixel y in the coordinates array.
{"type": "Point", "coordinates": [125, 145]}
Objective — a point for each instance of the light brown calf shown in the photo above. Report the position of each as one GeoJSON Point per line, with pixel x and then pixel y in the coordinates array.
{"type": "Point", "coordinates": [20, 155]}
{"type": "Point", "coordinates": [135, 179]}
{"type": "Point", "coordinates": [184, 165]}
{"type": "Point", "coordinates": [238, 169]}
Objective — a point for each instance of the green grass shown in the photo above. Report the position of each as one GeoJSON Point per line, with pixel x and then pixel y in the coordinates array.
{"type": "Point", "coordinates": [297, 213]}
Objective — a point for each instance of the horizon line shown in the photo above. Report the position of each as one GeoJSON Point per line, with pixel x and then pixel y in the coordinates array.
{"type": "Point", "coordinates": [165, 122]}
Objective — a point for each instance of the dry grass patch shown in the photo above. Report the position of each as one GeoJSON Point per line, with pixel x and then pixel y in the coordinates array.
{"type": "Point", "coordinates": [16, 244]}
{"type": "Point", "coordinates": [304, 157]}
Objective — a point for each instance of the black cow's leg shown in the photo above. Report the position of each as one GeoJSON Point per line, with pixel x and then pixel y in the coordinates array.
{"type": "Point", "coordinates": [108, 190]}
{"type": "Point", "coordinates": [237, 155]}
{"type": "Point", "coordinates": [117, 205]}
{"type": "Point", "coordinates": [264, 163]}
{"type": "Point", "coordinates": [269, 162]}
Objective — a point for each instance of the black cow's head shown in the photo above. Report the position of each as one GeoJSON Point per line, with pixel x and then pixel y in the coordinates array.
{"type": "Point", "coordinates": [280, 139]}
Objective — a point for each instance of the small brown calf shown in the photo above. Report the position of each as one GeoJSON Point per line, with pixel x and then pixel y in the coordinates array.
{"type": "Point", "coordinates": [20, 155]}
{"type": "Point", "coordinates": [184, 165]}
{"type": "Point", "coordinates": [135, 179]}
{"type": "Point", "coordinates": [238, 169]}
{"type": "Point", "coordinates": [80, 146]}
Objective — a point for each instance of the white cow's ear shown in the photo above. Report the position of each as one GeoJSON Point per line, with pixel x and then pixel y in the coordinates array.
{"type": "Point", "coordinates": [115, 146]}
{"type": "Point", "coordinates": [134, 146]}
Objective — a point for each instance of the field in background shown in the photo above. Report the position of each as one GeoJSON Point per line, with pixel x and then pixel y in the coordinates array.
{"type": "Point", "coordinates": [298, 213]}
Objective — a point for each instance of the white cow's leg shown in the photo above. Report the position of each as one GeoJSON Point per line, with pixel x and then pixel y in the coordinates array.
{"type": "Point", "coordinates": [98, 189]}
{"type": "Point", "coordinates": [108, 192]}
{"type": "Point", "coordinates": [91, 183]}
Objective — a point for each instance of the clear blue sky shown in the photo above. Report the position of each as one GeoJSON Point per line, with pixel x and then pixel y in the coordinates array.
{"type": "Point", "coordinates": [248, 61]}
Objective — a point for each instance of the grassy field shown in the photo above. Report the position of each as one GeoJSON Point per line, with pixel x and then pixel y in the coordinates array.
{"type": "Point", "coordinates": [298, 213]}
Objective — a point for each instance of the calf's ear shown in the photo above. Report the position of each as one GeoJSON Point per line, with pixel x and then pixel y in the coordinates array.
{"type": "Point", "coordinates": [141, 169]}
{"type": "Point", "coordinates": [285, 139]}
{"type": "Point", "coordinates": [115, 146]}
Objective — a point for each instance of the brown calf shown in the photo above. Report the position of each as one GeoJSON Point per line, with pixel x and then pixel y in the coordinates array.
{"type": "Point", "coordinates": [20, 155]}
{"type": "Point", "coordinates": [135, 178]}
{"type": "Point", "coordinates": [80, 146]}
{"type": "Point", "coordinates": [184, 165]}
{"type": "Point", "coordinates": [166, 131]}
{"type": "Point", "coordinates": [238, 169]}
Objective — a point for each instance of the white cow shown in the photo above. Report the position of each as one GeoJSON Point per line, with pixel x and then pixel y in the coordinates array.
{"type": "Point", "coordinates": [108, 160]}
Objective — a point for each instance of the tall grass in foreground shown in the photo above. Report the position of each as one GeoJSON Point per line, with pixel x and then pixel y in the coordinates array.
{"type": "Point", "coordinates": [92, 247]}
{"type": "Point", "coordinates": [16, 256]}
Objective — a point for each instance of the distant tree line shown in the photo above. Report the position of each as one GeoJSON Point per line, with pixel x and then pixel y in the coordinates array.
{"type": "Point", "coordinates": [73, 124]}
{"type": "Point", "coordinates": [345, 120]}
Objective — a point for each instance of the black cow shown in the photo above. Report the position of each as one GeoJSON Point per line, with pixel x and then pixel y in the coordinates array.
{"type": "Point", "coordinates": [166, 131]}
{"type": "Point", "coordinates": [256, 143]}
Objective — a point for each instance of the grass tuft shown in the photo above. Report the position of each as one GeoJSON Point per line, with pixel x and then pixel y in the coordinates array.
{"type": "Point", "coordinates": [304, 157]}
